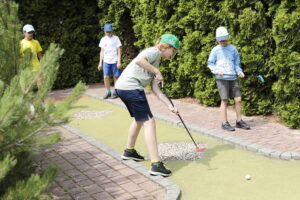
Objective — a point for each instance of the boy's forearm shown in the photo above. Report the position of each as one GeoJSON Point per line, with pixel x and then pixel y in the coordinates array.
{"type": "Point", "coordinates": [159, 94]}
{"type": "Point", "coordinates": [119, 55]}
{"type": "Point", "coordinates": [101, 57]}
{"type": "Point", "coordinates": [212, 68]}
{"type": "Point", "coordinates": [40, 55]}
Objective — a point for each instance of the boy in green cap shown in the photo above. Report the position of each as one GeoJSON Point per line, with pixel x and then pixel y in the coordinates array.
{"type": "Point", "coordinates": [142, 71]}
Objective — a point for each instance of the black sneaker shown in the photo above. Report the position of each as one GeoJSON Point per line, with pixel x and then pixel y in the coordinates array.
{"type": "Point", "coordinates": [242, 124]}
{"type": "Point", "coordinates": [158, 168]}
{"type": "Point", "coordinates": [114, 96]}
{"type": "Point", "coordinates": [226, 126]}
{"type": "Point", "coordinates": [107, 95]}
{"type": "Point", "coordinates": [132, 154]}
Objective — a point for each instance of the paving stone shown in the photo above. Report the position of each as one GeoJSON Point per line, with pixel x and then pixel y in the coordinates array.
{"type": "Point", "coordinates": [149, 186]}
{"type": "Point", "coordinates": [92, 173]}
{"type": "Point", "coordinates": [127, 171]}
{"type": "Point", "coordinates": [125, 196]}
{"type": "Point", "coordinates": [74, 191]}
{"type": "Point", "coordinates": [120, 179]}
{"type": "Point", "coordinates": [101, 167]}
{"type": "Point", "coordinates": [103, 196]}
{"type": "Point", "coordinates": [286, 156]}
{"type": "Point", "coordinates": [100, 180]}
{"type": "Point", "coordinates": [93, 189]}
{"type": "Point", "coordinates": [79, 178]}
{"type": "Point", "coordinates": [137, 178]}
{"type": "Point", "coordinates": [131, 187]}
{"type": "Point", "coordinates": [85, 183]}
{"type": "Point", "coordinates": [109, 186]}
{"type": "Point", "coordinates": [72, 172]}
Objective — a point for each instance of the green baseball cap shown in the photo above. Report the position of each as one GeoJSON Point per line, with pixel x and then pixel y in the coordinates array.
{"type": "Point", "coordinates": [170, 39]}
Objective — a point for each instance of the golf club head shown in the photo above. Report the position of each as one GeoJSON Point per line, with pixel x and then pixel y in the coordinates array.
{"type": "Point", "coordinates": [200, 149]}
{"type": "Point", "coordinates": [260, 78]}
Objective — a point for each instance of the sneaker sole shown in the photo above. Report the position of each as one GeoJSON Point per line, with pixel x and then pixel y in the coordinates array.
{"type": "Point", "coordinates": [159, 173]}
{"type": "Point", "coordinates": [243, 128]}
{"type": "Point", "coordinates": [131, 158]}
{"type": "Point", "coordinates": [227, 129]}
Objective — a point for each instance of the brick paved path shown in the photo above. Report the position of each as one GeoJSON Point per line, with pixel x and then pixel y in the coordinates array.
{"type": "Point", "coordinates": [88, 173]}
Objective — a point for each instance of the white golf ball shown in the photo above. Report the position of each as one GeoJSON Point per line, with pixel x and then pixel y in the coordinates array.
{"type": "Point", "coordinates": [247, 176]}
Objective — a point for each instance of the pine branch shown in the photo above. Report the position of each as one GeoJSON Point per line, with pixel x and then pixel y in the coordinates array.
{"type": "Point", "coordinates": [6, 165]}
{"type": "Point", "coordinates": [22, 140]}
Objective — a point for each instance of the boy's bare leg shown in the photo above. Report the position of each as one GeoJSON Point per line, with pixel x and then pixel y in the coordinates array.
{"type": "Point", "coordinates": [106, 82]}
{"type": "Point", "coordinates": [115, 79]}
{"type": "Point", "coordinates": [238, 107]}
{"type": "Point", "coordinates": [150, 138]}
{"type": "Point", "coordinates": [223, 108]}
{"type": "Point", "coordinates": [133, 133]}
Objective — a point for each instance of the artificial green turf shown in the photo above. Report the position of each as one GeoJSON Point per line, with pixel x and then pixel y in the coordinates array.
{"type": "Point", "coordinates": [219, 175]}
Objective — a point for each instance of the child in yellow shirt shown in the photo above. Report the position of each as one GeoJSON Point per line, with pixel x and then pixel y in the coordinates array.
{"type": "Point", "coordinates": [29, 43]}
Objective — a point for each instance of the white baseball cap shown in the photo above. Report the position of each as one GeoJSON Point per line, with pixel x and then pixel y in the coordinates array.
{"type": "Point", "coordinates": [27, 28]}
{"type": "Point", "coordinates": [222, 34]}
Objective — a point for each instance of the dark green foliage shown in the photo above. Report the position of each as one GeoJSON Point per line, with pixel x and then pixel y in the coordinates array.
{"type": "Point", "coordinates": [266, 33]}
{"type": "Point", "coordinates": [286, 62]}
{"type": "Point", "coordinates": [72, 24]}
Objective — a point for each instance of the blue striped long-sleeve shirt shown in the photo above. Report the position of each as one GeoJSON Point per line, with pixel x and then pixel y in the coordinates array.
{"type": "Point", "coordinates": [226, 60]}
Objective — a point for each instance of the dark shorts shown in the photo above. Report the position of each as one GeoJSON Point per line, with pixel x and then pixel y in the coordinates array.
{"type": "Point", "coordinates": [228, 89]}
{"type": "Point", "coordinates": [111, 69]}
{"type": "Point", "coordinates": [136, 103]}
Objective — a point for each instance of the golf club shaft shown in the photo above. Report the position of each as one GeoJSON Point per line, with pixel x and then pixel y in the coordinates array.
{"type": "Point", "coordinates": [259, 77]}
{"type": "Point", "coordinates": [181, 120]}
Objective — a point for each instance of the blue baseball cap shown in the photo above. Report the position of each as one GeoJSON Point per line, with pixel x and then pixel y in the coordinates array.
{"type": "Point", "coordinates": [108, 27]}
{"type": "Point", "coordinates": [28, 28]}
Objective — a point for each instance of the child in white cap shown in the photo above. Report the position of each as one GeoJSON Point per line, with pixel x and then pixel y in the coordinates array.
{"type": "Point", "coordinates": [143, 71]}
{"type": "Point", "coordinates": [110, 55]}
{"type": "Point", "coordinates": [224, 62]}
{"type": "Point", "coordinates": [29, 43]}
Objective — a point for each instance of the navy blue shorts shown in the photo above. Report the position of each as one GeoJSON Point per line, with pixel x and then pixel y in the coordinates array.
{"type": "Point", "coordinates": [136, 103]}
{"type": "Point", "coordinates": [111, 69]}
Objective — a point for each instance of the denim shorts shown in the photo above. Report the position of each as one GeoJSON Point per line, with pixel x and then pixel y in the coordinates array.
{"type": "Point", "coordinates": [111, 69]}
{"type": "Point", "coordinates": [228, 89]}
{"type": "Point", "coordinates": [136, 103]}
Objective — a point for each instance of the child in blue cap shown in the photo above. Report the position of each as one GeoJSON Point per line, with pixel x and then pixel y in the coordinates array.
{"type": "Point", "coordinates": [143, 71]}
{"type": "Point", "coordinates": [224, 62]}
{"type": "Point", "coordinates": [110, 55]}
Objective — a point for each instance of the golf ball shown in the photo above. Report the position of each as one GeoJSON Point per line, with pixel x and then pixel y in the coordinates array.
{"type": "Point", "coordinates": [247, 176]}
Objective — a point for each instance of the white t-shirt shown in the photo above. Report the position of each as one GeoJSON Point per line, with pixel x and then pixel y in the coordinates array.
{"type": "Point", "coordinates": [110, 46]}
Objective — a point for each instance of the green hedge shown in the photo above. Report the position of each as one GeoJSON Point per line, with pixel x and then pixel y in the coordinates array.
{"type": "Point", "coordinates": [72, 24]}
{"type": "Point", "coordinates": [265, 32]}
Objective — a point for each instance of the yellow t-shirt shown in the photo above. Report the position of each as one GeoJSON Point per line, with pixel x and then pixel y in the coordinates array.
{"type": "Point", "coordinates": [35, 47]}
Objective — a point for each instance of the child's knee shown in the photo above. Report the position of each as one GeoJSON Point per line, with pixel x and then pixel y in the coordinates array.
{"type": "Point", "coordinates": [224, 101]}
{"type": "Point", "coordinates": [238, 99]}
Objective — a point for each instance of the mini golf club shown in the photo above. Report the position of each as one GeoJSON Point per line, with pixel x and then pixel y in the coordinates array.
{"type": "Point", "coordinates": [259, 77]}
{"type": "Point", "coordinates": [198, 149]}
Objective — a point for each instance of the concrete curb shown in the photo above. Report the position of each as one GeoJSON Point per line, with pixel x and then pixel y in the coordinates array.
{"type": "Point", "coordinates": [271, 153]}
{"type": "Point", "coordinates": [172, 190]}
